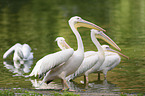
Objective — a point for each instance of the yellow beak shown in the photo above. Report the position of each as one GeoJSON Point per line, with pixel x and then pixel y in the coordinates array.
{"type": "Point", "coordinates": [109, 49]}
{"type": "Point", "coordinates": [104, 37]}
{"type": "Point", "coordinates": [84, 23]}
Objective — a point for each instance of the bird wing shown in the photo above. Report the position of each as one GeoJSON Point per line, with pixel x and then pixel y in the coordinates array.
{"type": "Point", "coordinates": [30, 56]}
{"type": "Point", "coordinates": [88, 62]}
{"type": "Point", "coordinates": [111, 60]}
{"type": "Point", "coordinates": [50, 61]}
{"type": "Point", "coordinates": [26, 50]}
{"type": "Point", "coordinates": [89, 53]}
{"type": "Point", "coordinates": [114, 61]}
{"type": "Point", "coordinates": [18, 51]}
{"type": "Point", "coordinates": [11, 50]}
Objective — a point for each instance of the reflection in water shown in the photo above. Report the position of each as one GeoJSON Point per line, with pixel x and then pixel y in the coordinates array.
{"type": "Point", "coordinates": [38, 85]}
{"type": "Point", "coordinates": [21, 52]}
{"type": "Point", "coordinates": [52, 85]}
{"type": "Point", "coordinates": [103, 86]}
{"type": "Point", "coordinates": [39, 22]}
{"type": "Point", "coordinates": [96, 86]}
{"type": "Point", "coordinates": [18, 67]}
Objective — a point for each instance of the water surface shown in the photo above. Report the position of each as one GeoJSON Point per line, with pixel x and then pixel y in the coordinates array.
{"type": "Point", "coordinates": [39, 22]}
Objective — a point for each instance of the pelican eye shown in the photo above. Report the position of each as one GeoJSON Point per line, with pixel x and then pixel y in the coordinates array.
{"type": "Point", "coordinates": [107, 47]}
{"type": "Point", "coordinates": [78, 18]}
{"type": "Point", "coordinates": [100, 31]}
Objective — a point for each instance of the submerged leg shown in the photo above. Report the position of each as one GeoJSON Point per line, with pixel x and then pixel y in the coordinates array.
{"type": "Point", "coordinates": [63, 87]}
{"type": "Point", "coordinates": [105, 75]}
{"type": "Point", "coordinates": [65, 84]}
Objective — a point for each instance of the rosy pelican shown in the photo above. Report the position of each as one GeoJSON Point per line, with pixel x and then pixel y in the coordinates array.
{"type": "Point", "coordinates": [61, 43]}
{"type": "Point", "coordinates": [112, 59]}
{"type": "Point", "coordinates": [21, 52]}
{"type": "Point", "coordinates": [61, 64]}
{"type": "Point", "coordinates": [97, 58]}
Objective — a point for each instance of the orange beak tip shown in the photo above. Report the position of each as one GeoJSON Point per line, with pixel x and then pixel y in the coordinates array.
{"type": "Point", "coordinates": [119, 49]}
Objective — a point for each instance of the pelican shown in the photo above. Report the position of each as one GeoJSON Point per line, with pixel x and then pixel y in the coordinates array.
{"type": "Point", "coordinates": [61, 64]}
{"type": "Point", "coordinates": [91, 58]}
{"type": "Point", "coordinates": [21, 52]}
{"type": "Point", "coordinates": [61, 43]}
{"type": "Point", "coordinates": [112, 59]}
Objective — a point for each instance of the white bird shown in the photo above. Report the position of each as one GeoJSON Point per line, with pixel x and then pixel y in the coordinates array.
{"type": "Point", "coordinates": [61, 64]}
{"type": "Point", "coordinates": [21, 52]}
{"type": "Point", "coordinates": [17, 68]}
{"type": "Point", "coordinates": [61, 43]}
{"type": "Point", "coordinates": [91, 58]}
{"type": "Point", "coordinates": [112, 59]}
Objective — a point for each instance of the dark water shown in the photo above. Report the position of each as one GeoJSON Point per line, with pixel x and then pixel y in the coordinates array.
{"type": "Point", "coordinates": [39, 22]}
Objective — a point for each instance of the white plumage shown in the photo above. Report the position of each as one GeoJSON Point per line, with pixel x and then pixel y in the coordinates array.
{"type": "Point", "coordinates": [21, 52]}
{"type": "Point", "coordinates": [61, 43]}
{"type": "Point", "coordinates": [112, 59]}
{"type": "Point", "coordinates": [17, 68]}
{"type": "Point", "coordinates": [50, 61]}
{"type": "Point", "coordinates": [91, 58]}
{"type": "Point", "coordinates": [64, 65]}
{"type": "Point", "coordinates": [88, 62]}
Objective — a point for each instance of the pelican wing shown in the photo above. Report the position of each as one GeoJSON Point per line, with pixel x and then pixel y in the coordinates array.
{"type": "Point", "coordinates": [26, 49]}
{"type": "Point", "coordinates": [18, 51]}
{"type": "Point", "coordinates": [111, 60]}
{"type": "Point", "coordinates": [89, 53]}
{"type": "Point", "coordinates": [50, 61]}
{"type": "Point", "coordinates": [11, 50]}
{"type": "Point", "coordinates": [88, 62]}
{"type": "Point", "coordinates": [30, 56]}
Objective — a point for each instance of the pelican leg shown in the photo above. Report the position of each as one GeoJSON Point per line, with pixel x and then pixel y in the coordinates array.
{"type": "Point", "coordinates": [65, 83]}
{"type": "Point", "coordinates": [99, 76]}
{"type": "Point", "coordinates": [105, 76]}
{"type": "Point", "coordinates": [105, 73]}
{"type": "Point", "coordinates": [63, 87]}
{"type": "Point", "coordinates": [86, 81]}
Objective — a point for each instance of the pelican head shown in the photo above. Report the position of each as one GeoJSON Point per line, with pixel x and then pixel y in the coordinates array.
{"type": "Point", "coordinates": [79, 22]}
{"type": "Point", "coordinates": [101, 35]}
{"type": "Point", "coordinates": [61, 43]}
{"type": "Point", "coordinates": [107, 48]}
{"type": "Point", "coordinates": [59, 39]}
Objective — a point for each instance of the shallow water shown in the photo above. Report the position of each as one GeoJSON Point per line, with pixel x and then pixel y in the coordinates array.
{"type": "Point", "coordinates": [39, 22]}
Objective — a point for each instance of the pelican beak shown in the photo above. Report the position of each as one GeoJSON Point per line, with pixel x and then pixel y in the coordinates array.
{"type": "Point", "coordinates": [104, 37]}
{"type": "Point", "coordinates": [109, 49]}
{"type": "Point", "coordinates": [55, 40]}
{"type": "Point", "coordinates": [84, 23]}
{"type": "Point", "coordinates": [65, 45]}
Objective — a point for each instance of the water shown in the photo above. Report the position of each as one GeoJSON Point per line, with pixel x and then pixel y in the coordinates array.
{"type": "Point", "coordinates": [39, 22]}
